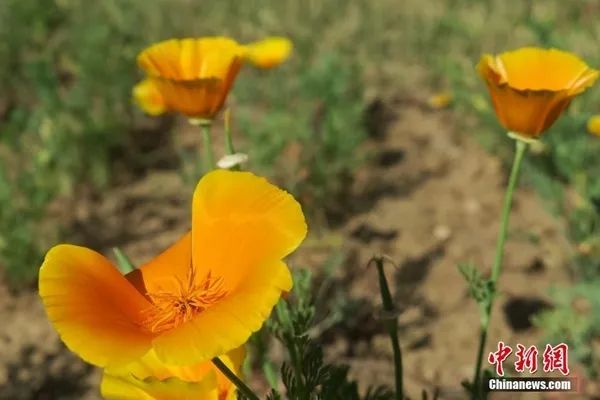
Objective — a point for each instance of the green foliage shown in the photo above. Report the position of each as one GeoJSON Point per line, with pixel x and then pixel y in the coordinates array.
{"type": "Point", "coordinates": [576, 321]}
{"type": "Point", "coordinates": [66, 105]}
{"type": "Point", "coordinates": [480, 289]}
{"type": "Point", "coordinates": [564, 165]}
{"type": "Point", "coordinates": [66, 112]}
{"type": "Point", "coordinates": [313, 138]}
{"type": "Point", "coordinates": [306, 375]}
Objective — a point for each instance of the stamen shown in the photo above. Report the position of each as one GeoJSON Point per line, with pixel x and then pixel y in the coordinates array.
{"type": "Point", "coordinates": [173, 308]}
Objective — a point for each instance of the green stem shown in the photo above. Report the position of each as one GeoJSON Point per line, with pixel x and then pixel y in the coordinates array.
{"type": "Point", "coordinates": [229, 148]}
{"type": "Point", "coordinates": [228, 140]}
{"type": "Point", "coordinates": [239, 384]}
{"type": "Point", "coordinates": [123, 262]}
{"type": "Point", "coordinates": [209, 160]}
{"type": "Point", "coordinates": [391, 325]}
{"type": "Point", "coordinates": [521, 147]}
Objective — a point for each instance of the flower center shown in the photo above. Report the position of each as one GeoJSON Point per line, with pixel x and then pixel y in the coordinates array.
{"type": "Point", "coordinates": [189, 298]}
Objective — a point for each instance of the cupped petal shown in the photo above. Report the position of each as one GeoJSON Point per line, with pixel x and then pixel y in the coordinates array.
{"type": "Point", "coordinates": [95, 310]}
{"type": "Point", "coordinates": [229, 323]}
{"type": "Point", "coordinates": [527, 69]}
{"type": "Point", "coordinates": [165, 272]}
{"type": "Point", "coordinates": [200, 98]}
{"type": "Point", "coordinates": [148, 97]}
{"type": "Point", "coordinates": [527, 113]}
{"type": "Point", "coordinates": [240, 220]}
{"type": "Point", "coordinates": [268, 53]}
{"type": "Point", "coordinates": [190, 59]}
{"type": "Point", "coordinates": [145, 377]}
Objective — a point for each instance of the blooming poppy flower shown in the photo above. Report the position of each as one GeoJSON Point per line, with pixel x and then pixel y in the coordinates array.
{"type": "Point", "coordinates": [194, 76]}
{"type": "Point", "coordinates": [199, 299]}
{"type": "Point", "coordinates": [530, 87]}
{"type": "Point", "coordinates": [151, 379]}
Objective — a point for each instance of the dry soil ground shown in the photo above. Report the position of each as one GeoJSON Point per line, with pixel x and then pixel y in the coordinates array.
{"type": "Point", "coordinates": [429, 198]}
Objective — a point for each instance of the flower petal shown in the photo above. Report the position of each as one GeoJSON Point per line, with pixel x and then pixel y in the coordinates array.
{"type": "Point", "coordinates": [165, 271]}
{"type": "Point", "coordinates": [132, 379]}
{"type": "Point", "coordinates": [191, 59]}
{"type": "Point", "coordinates": [149, 98]}
{"type": "Point", "coordinates": [240, 220]}
{"type": "Point", "coordinates": [527, 113]}
{"type": "Point", "coordinates": [229, 323]}
{"type": "Point", "coordinates": [268, 53]}
{"type": "Point", "coordinates": [525, 69]}
{"type": "Point", "coordinates": [116, 387]}
{"type": "Point", "coordinates": [93, 307]}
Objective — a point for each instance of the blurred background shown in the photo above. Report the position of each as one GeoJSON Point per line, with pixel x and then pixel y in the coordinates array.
{"type": "Point", "coordinates": [378, 124]}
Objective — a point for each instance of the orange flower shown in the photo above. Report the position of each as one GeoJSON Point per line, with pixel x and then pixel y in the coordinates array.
{"type": "Point", "coordinates": [149, 378]}
{"type": "Point", "coordinates": [194, 76]}
{"type": "Point", "coordinates": [530, 87]}
{"type": "Point", "coordinates": [200, 298]}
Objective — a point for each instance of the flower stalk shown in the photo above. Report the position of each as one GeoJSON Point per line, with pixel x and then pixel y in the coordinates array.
{"type": "Point", "coordinates": [239, 384]}
{"type": "Point", "coordinates": [390, 319]}
{"type": "Point", "coordinates": [521, 147]}
{"type": "Point", "coordinates": [228, 140]}
{"type": "Point", "coordinates": [205, 126]}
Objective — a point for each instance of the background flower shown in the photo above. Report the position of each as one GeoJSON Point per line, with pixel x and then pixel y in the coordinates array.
{"type": "Point", "coordinates": [530, 87]}
{"type": "Point", "coordinates": [194, 76]}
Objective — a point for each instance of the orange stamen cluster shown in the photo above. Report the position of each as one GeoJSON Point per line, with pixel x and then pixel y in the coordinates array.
{"type": "Point", "coordinates": [173, 308]}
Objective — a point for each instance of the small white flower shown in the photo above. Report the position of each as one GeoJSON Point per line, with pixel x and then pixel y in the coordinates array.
{"type": "Point", "coordinates": [232, 160]}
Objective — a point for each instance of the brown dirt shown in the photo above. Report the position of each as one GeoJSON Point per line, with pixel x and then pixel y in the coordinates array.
{"type": "Point", "coordinates": [429, 199]}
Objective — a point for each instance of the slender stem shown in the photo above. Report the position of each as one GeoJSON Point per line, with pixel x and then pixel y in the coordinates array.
{"type": "Point", "coordinates": [521, 147]}
{"type": "Point", "coordinates": [239, 384]}
{"type": "Point", "coordinates": [391, 325]}
{"type": "Point", "coordinates": [228, 140]}
{"type": "Point", "coordinates": [229, 148]}
{"type": "Point", "coordinates": [209, 160]}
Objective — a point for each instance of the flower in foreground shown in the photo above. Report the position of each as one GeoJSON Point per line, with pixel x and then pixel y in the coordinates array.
{"type": "Point", "coordinates": [151, 379]}
{"type": "Point", "coordinates": [530, 87]}
{"type": "Point", "coordinates": [200, 298]}
{"type": "Point", "coordinates": [194, 76]}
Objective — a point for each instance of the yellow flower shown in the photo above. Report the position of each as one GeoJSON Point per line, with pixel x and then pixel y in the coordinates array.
{"type": "Point", "coordinates": [194, 76]}
{"type": "Point", "coordinates": [268, 53]}
{"type": "Point", "coordinates": [151, 379]}
{"type": "Point", "coordinates": [530, 87]}
{"type": "Point", "coordinates": [149, 98]}
{"type": "Point", "coordinates": [440, 100]}
{"type": "Point", "coordinates": [593, 125]}
{"type": "Point", "coordinates": [200, 298]}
